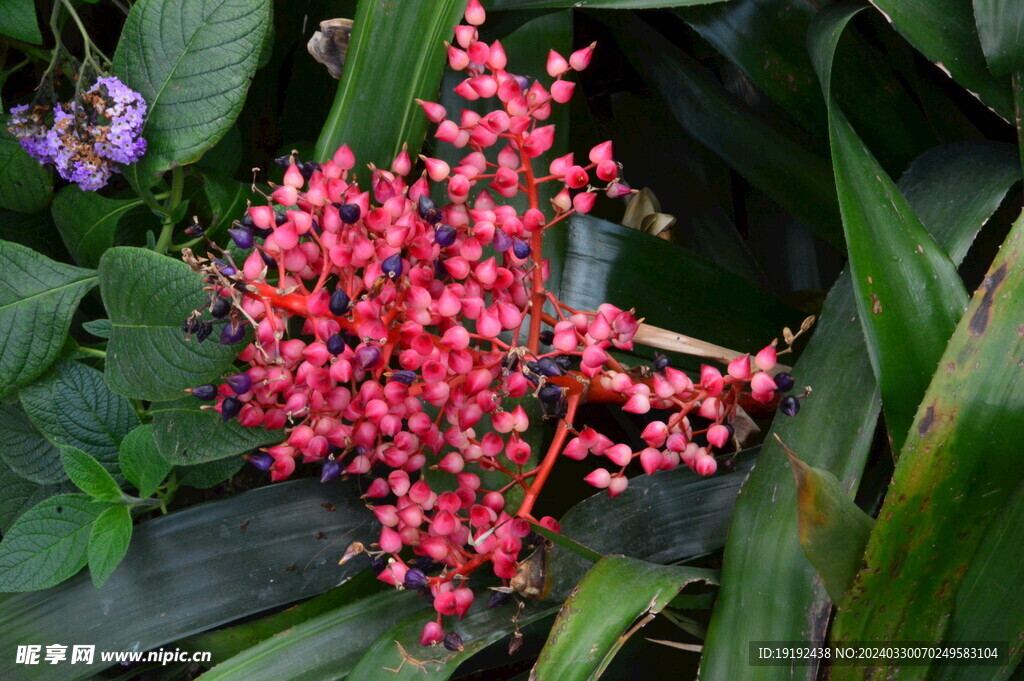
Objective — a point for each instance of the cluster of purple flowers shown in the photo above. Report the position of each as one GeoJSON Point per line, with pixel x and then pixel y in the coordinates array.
{"type": "Point", "coordinates": [88, 135]}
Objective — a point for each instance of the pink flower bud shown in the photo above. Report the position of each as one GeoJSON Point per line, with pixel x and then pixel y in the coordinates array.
{"type": "Point", "coordinates": [539, 141]}
{"type": "Point", "coordinates": [617, 485]}
{"type": "Point", "coordinates": [465, 35]}
{"type": "Point", "coordinates": [718, 435]}
{"type": "Point", "coordinates": [457, 59]}
{"type": "Point", "coordinates": [599, 478]}
{"type": "Point", "coordinates": [767, 358]}
{"type": "Point", "coordinates": [434, 112]}
{"type": "Point", "coordinates": [433, 632]}
{"type": "Point", "coordinates": [475, 14]}
{"type": "Point", "coordinates": [556, 65]}
{"type": "Point", "coordinates": [602, 152]}
{"type": "Point", "coordinates": [479, 52]}
{"type": "Point", "coordinates": [580, 59]}
{"type": "Point", "coordinates": [576, 177]}
{"type": "Point", "coordinates": [705, 464]}
{"type": "Point", "coordinates": [561, 90]}
{"type": "Point", "coordinates": [651, 460]}
{"type": "Point", "coordinates": [344, 158]}
{"type": "Point", "coordinates": [584, 202]}
{"type": "Point", "coordinates": [402, 165]}
{"type": "Point", "coordinates": [463, 595]}
{"type": "Point", "coordinates": [619, 454]}
{"type": "Point", "coordinates": [607, 171]}
{"type": "Point", "coordinates": [655, 433]}
{"type": "Point", "coordinates": [762, 383]}
{"type": "Point", "coordinates": [739, 368]}
{"type": "Point", "coordinates": [595, 356]}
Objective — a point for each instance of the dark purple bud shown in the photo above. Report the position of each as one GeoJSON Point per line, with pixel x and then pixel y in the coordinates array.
{"type": "Point", "coordinates": [229, 408]}
{"type": "Point", "coordinates": [547, 336]}
{"type": "Point", "coordinates": [550, 394]}
{"type": "Point", "coordinates": [242, 237]}
{"type": "Point", "coordinates": [414, 579]}
{"type": "Point", "coordinates": [789, 405]}
{"type": "Point", "coordinates": [204, 392]}
{"type": "Point", "coordinates": [308, 168]}
{"type": "Point", "coordinates": [392, 266]}
{"type": "Point", "coordinates": [336, 344]}
{"type": "Point", "coordinates": [404, 376]}
{"type": "Point", "coordinates": [423, 563]}
{"type": "Point", "coordinates": [564, 362]}
{"type": "Point", "coordinates": [452, 642]}
{"type": "Point", "coordinates": [349, 213]}
{"type": "Point", "coordinates": [279, 217]}
{"type": "Point", "coordinates": [220, 307]}
{"type": "Point", "coordinates": [232, 334]}
{"type": "Point", "coordinates": [428, 209]}
{"type": "Point", "coordinates": [283, 161]}
{"type": "Point", "coordinates": [339, 302]}
{"type": "Point", "coordinates": [240, 383]}
{"type": "Point", "coordinates": [203, 330]}
{"type": "Point", "coordinates": [268, 259]}
{"type": "Point", "coordinates": [440, 271]}
{"type": "Point", "coordinates": [261, 460]}
{"type": "Point", "coordinates": [547, 366]}
{"type": "Point", "coordinates": [498, 599]}
{"type": "Point", "coordinates": [195, 230]}
{"type": "Point", "coordinates": [247, 221]}
{"type": "Point", "coordinates": [661, 361]}
{"type": "Point", "coordinates": [331, 470]}
{"type": "Point", "coordinates": [784, 382]}
{"type": "Point", "coordinates": [520, 249]}
{"type": "Point", "coordinates": [444, 235]}
{"type": "Point", "coordinates": [378, 563]}
{"type": "Point", "coordinates": [502, 241]}
{"type": "Point", "coordinates": [225, 269]}
{"type": "Point", "coordinates": [368, 356]}
{"type": "Point", "coordinates": [523, 81]}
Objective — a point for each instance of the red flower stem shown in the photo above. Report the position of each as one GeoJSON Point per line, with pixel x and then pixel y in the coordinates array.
{"type": "Point", "coordinates": [536, 253]}
{"type": "Point", "coordinates": [544, 470]}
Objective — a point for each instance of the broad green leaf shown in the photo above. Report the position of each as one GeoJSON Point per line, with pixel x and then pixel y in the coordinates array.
{"type": "Point", "coordinates": [597, 618]}
{"type": "Point", "coordinates": [833, 529]}
{"type": "Point", "coordinates": [37, 298]}
{"type": "Point", "coordinates": [141, 462]}
{"type": "Point", "coordinates": [148, 296]}
{"type": "Point", "coordinates": [989, 605]}
{"type": "Point", "coordinates": [762, 151]}
{"type": "Point", "coordinates": [34, 230]}
{"type": "Point", "coordinates": [25, 186]}
{"type": "Point", "coordinates": [593, 4]}
{"type": "Point", "coordinates": [18, 20]}
{"type": "Point", "coordinates": [73, 406]}
{"type": "Point", "coordinates": [192, 61]}
{"type": "Point", "coordinates": [378, 28]}
{"type": "Point", "coordinates": [98, 327]}
{"type": "Point", "coordinates": [18, 495]}
{"type": "Point", "coordinates": [48, 543]}
{"type": "Point", "coordinates": [87, 222]}
{"type": "Point", "coordinates": [209, 474]}
{"type": "Point", "coordinates": [944, 32]}
{"type": "Point", "coordinates": [108, 542]}
{"type": "Point", "coordinates": [24, 449]}
{"type": "Point", "coordinates": [1001, 30]}
{"type": "Point", "coordinates": [950, 190]}
{"type": "Point", "coordinates": [909, 293]}
{"type": "Point", "coordinates": [227, 199]}
{"type": "Point", "coordinates": [949, 481]}
{"type": "Point", "coordinates": [89, 476]}
{"type": "Point", "coordinates": [186, 435]}
{"type": "Point", "coordinates": [199, 568]}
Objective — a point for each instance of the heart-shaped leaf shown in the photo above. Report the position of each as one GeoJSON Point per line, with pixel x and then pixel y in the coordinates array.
{"type": "Point", "coordinates": [89, 476]}
{"type": "Point", "coordinates": [24, 449]}
{"type": "Point", "coordinates": [108, 542]}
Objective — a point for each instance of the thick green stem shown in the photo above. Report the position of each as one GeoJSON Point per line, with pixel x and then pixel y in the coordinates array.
{"type": "Point", "coordinates": [168, 209]}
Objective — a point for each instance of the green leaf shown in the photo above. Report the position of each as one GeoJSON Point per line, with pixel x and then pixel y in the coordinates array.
{"type": "Point", "coordinates": [186, 435]}
{"type": "Point", "coordinates": [18, 20]}
{"type": "Point", "coordinates": [25, 186]}
{"type": "Point", "coordinates": [89, 476]}
{"type": "Point", "coordinates": [141, 462]}
{"type": "Point", "coordinates": [100, 328]}
{"type": "Point", "coordinates": [596, 619]}
{"type": "Point", "coordinates": [227, 199]}
{"type": "Point", "coordinates": [594, 4]}
{"type": "Point", "coordinates": [949, 481]}
{"type": "Point", "coordinates": [192, 61]}
{"type": "Point", "coordinates": [989, 606]}
{"type": "Point", "coordinates": [199, 568]}
{"type": "Point", "coordinates": [88, 222]}
{"type": "Point", "coordinates": [1001, 30]}
{"type": "Point", "coordinates": [833, 529]}
{"type": "Point", "coordinates": [24, 449]}
{"type": "Point", "coordinates": [108, 542]}
{"type": "Point", "coordinates": [792, 175]}
{"type": "Point", "coordinates": [909, 294]}
{"type": "Point", "coordinates": [210, 474]}
{"type": "Point", "coordinates": [378, 28]}
{"type": "Point", "coordinates": [944, 32]}
{"type": "Point", "coordinates": [148, 296]}
{"type": "Point", "coordinates": [73, 406]}
{"type": "Point", "coordinates": [18, 495]}
{"type": "Point", "coordinates": [48, 543]}
{"type": "Point", "coordinates": [37, 298]}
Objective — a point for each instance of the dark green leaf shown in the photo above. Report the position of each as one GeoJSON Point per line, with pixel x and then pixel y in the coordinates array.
{"type": "Point", "coordinates": [73, 406]}
{"type": "Point", "coordinates": [909, 294]}
{"type": "Point", "coordinates": [944, 31]}
{"type": "Point", "coordinates": [199, 567]}
{"type": "Point", "coordinates": [593, 4]}
{"type": "Point", "coordinates": [88, 475]}
{"type": "Point", "coordinates": [592, 624]}
{"type": "Point", "coordinates": [186, 435]}
{"type": "Point", "coordinates": [25, 186]}
{"type": "Point", "coordinates": [18, 495]}
{"type": "Point", "coordinates": [148, 296]}
{"type": "Point", "coordinates": [37, 298]}
{"type": "Point", "coordinates": [100, 328]}
{"type": "Point", "coordinates": [192, 61]}
{"type": "Point", "coordinates": [1001, 29]}
{"type": "Point", "coordinates": [88, 222]}
{"type": "Point", "coordinates": [48, 543]}
{"type": "Point", "coordinates": [378, 28]}
{"type": "Point", "coordinates": [18, 20]}
{"type": "Point", "coordinates": [108, 542]}
{"type": "Point", "coordinates": [833, 529]}
{"type": "Point", "coordinates": [949, 482]}
{"type": "Point", "coordinates": [141, 462]}
{"type": "Point", "coordinates": [210, 474]}
{"type": "Point", "coordinates": [24, 449]}
{"type": "Point", "coordinates": [227, 200]}
{"type": "Point", "coordinates": [763, 152]}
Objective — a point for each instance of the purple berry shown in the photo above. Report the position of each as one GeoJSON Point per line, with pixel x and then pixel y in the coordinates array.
{"type": "Point", "coordinates": [789, 405]}
{"type": "Point", "coordinates": [261, 460]}
{"type": "Point", "coordinates": [368, 356]}
{"type": "Point", "coordinates": [204, 392]}
{"type": "Point", "coordinates": [498, 599]}
{"type": "Point", "coordinates": [349, 213]}
{"type": "Point", "coordinates": [240, 383]}
{"type": "Point", "coordinates": [242, 237]}
{"type": "Point", "coordinates": [392, 266]}
{"type": "Point", "coordinates": [404, 376]}
{"type": "Point", "coordinates": [661, 361]}
{"type": "Point", "coordinates": [452, 642]}
{"type": "Point", "coordinates": [229, 408]}
{"type": "Point", "coordinates": [550, 394]}
{"type": "Point", "coordinates": [339, 302]}
{"type": "Point", "coordinates": [331, 470]}
{"type": "Point", "coordinates": [414, 579]}
{"type": "Point", "coordinates": [520, 249]}
{"type": "Point", "coordinates": [444, 235]}
{"type": "Point", "coordinates": [220, 307]}
{"type": "Point", "coordinates": [336, 344]}
{"type": "Point", "coordinates": [547, 366]}
{"type": "Point", "coordinates": [502, 241]}
{"type": "Point", "coordinates": [232, 334]}
{"type": "Point", "coordinates": [784, 382]}
{"type": "Point", "coordinates": [428, 210]}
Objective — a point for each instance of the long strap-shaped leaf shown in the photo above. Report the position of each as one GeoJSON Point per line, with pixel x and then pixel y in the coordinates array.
{"type": "Point", "coordinates": [950, 480]}
{"type": "Point", "coordinates": [909, 294]}
{"type": "Point", "coordinates": [396, 55]}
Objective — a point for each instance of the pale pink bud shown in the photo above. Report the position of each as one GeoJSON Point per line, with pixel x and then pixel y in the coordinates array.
{"type": "Point", "coordinates": [344, 158]}
{"type": "Point", "coordinates": [607, 171]}
{"type": "Point", "coordinates": [599, 478]}
{"type": "Point", "coordinates": [616, 190]}
{"type": "Point", "coordinates": [619, 454]}
{"type": "Point", "coordinates": [595, 356]}
{"type": "Point", "coordinates": [617, 485]}
{"type": "Point", "coordinates": [465, 35]}
{"type": "Point", "coordinates": [711, 380]}
{"type": "Point", "coordinates": [475, 14]}
{"type": "Point", "coordinates": [580, 59]}
{"type": "Point", "coordinates": [390, 541]}
{"type": "Point", "coordinates": [705, 464]}
{"type": "Point", "coordinates": [655, 433]}
{"type": "Point", "coordinates": [584, 202]}
{"type": "Point", "coordinates": [478, 52]}
{"type": "Point", "coordinates": [601, 152]}
{"type": "Point", "coordinates": [435, 112]}
{"type": "Point", "coordinates": [402, 165]}
{"type": "Point", "coordinates": [292, 177]}
{"type": "Point", "coordinates": [767, 358]}
{"type": "Point", "coordinates": [285, 195]}
{"type": "Point", "coordinates": [457, 59]}
{"type": "Point", "coordinates": [711, 408]}
{"type": "Point", "coordinates": [576, 177]}
{"type": "Point", "coordinates": [575, 450]}
{"type": "Point", "coordinates": [497, 59]}
{"type": "Point", "coordinates": [463, 596]}
{"type": "Point", "coordinates": [762, 383]}
{"type": "Point", "coordinates": [378, 489]}
{"type": "Point", "coordinates": [651, 460]}
{"type": "Point", "coordinates": [739, 368]}
{"type": "Point", "coordinates": [433, 632]}
{"type": "Point", "coordinates": [556, 64]}
{"type": "Point", "coordinates": [539, 141]}
{"type": "Point", "coordinates": [639, 403]}
{"type": "Point", "coordinates": [561, 90]}
{"type": "Point", "coordinates": [718, 435]}
{"type": "Point", "coordinates": [562, 201]}
{"type": "Point", "coordinates": [448, 131]}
